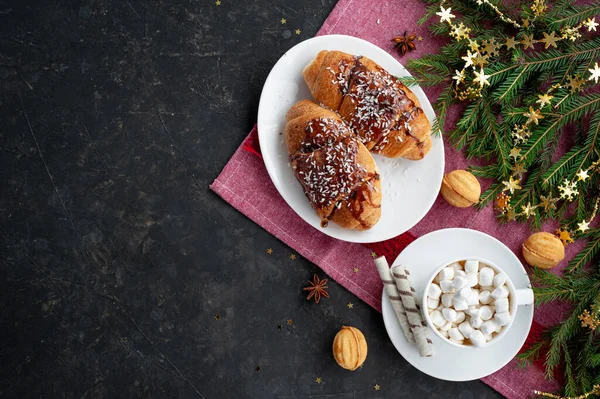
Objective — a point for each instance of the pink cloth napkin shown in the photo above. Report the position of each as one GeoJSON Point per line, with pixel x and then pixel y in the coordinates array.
{"type": "Point", "coordinates": [245, 184]}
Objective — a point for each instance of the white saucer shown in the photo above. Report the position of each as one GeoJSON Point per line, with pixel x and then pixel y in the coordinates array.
{"type": "Point", "coordinates": [450, 363]}
{"type": "Point", "coordinates": [420, 179]}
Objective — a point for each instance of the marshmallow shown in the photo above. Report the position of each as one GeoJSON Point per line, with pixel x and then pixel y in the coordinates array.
{"type": "Point", "coordinates": [489, 327]}
{"type": "Point", "coordinates": [434, 291]}
{"type": "Point", "coordinates": [437, 319]}
{"type": "Point", "coordinates": [472, 279]}
{"type": "Point", "coordinates": [486, 276]}
{"type": "Point", "coordinates": [489, 288]}
{"type": "Point", "coordinates": [449, 314]}
{"type": "Point", "coordinates": [477, 338]}
{"type": "Point", "coordinates": [473, 300]}
{"type": "Point", "coordinates": [447, 273]}
{"type": "Point", "coordinates": [440, 307]}
{"type": "Point", "coordinates": [432, 303]}
{"type": "Point", "coordinates": [488, 337]}
{"type": "Point", "coordinates": [460, 317]}
{"type": "Point", "coordinates": [498, 329]}
{"type": "Point", "coordinates": [464, 293]}
{"type": "Point", "coordinates": [476, 322]}
{"type": "Point", "coordinates": [465, 328]}
{"type": "Point", "coordinates": [448, 300]}
{"type": "Point", "coordinates": [455, 334]}
{"type": "Point", "coordinates": [471, 266]}
{"type": "Point", "coordinates": [447, 287]}
{"type": "Point", "coordinates": [459, 273]}
{"type": "Point", "coordinates": [455, 341]}
{"type": "Point", "coordinates": [501, 305]}
{"type": "Point", "coordinates": [485, 297]}
{"type": "Point", "coordinates": [456, 266]}
{"type": "Point", "coordinates": [499, 279]}
{"type": "Point", "coordinates": [474, 312]}
{"type": "Point", "coordinates": [486, 312]}
{"type": "Point", "coordinates": [446, 326]}
{"type": "Point", "coordinates": [460, 304]}
{"type": "Point", "coordinates": [502, 318]}
{"type": "Point", "coordinates": [500, 292]}
{"type": "Point", "coordinates": [459, 282]}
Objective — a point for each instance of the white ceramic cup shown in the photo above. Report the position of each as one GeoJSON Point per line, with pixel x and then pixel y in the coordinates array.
{"type": "Point", "coordinates": [516, 298]}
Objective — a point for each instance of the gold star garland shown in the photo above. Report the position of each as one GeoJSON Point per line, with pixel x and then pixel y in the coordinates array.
{"type": "Point", "coordinates": [594, 391]}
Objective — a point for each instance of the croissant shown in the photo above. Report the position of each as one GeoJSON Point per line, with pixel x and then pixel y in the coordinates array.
{"type": "Point", "coordinates": [337, 173]}
{"type": "Point", "coordinates": [381, 110]}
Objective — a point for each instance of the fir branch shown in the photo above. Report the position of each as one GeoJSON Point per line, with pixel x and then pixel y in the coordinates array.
{"type": "Point", "coordinates": [585, 256]}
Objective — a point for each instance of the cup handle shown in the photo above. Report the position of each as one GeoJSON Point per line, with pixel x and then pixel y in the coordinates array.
{"type": "Point", "coordinates": [524, 296]}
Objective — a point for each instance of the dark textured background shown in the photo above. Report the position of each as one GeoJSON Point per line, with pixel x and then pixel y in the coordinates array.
{"type": "Point", "coordinates": [115, 116]}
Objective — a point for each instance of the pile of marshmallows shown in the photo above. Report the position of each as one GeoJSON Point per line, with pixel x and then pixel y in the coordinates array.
{"type": "Point", "coordinates": [474, 303]}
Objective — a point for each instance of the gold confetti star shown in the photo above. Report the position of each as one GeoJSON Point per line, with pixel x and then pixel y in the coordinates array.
{"type": "Point", "coordinates": [298, 31]}
{"type": "Point", "coordinates": [462, 32]}
{"type": "Point", "coordinates": [290, 322]}
{"type": "Point", "coordinates": [269, 251]}
{"type": "Point", "coordinates": [318, 380]}
{"type": "Point", "coordinates": [481, 78]}
{"type": "Point", "coordinates": [217, 317]}
{"type": "Point", "coordinates": [480, 60]}
{"type": "Point", "coordinates": [591, 24]}
{"type": "Point", "coordinates": [527, 41]}
{"type": "Point", "coordinates": [377, 387]}
{"type": "Point", "coordinates": [510, 43]}
{"type": "Point", "coordinates": [445, 15]}
{"type": "Point", "coordinates": [218, 2]}
{"type": "Point", "coordinates": [534, 115]}
{"type": "Point", "coordinates": [518, 170]}
{"type": "Point", "coordinates": [283, 21]}
{"type": "Point", "coordinates": [512, 184]}
{"type": "Point", "coordinates": [511, 215]}
{"type": "Point", "coordinates": [564, 236]}
{"type": "Point", "coordinates": [469, 58]}
{"type": "Point", "coordinates": [502, 201]}
{"type": "Point", "coordinates": [583, 226]}
{"type": "Point", "coordinates": [459, 76]}
{"type": "Point", "coordinates": [527, 210]}
{"type": "Point", "coordinates": [293, 256]}
{"type": "Point", "coordinates": [350, 305]}
{"type": "Point", "coordinates": [525, 23]}
{"type": "Point", "coordinates": [548, 202]}
{"type": "Point", "coordinates": [491, 47]}
{"type": "Point", "coordinates": [583, 175]}
{"type": "Point", "coordinates": [595, 73]}
{"type": "Point", "coordinates": [373, 254]}
{"type": "Point", "coordinates": [544, 99]}
{"type": "Point", "coordinates": [473, 45]}
{"type": "Point", "coordinates": [549, 40]}
{"type": "Point", "coordinates": [515, 153]}
{"type": "Point", "coordinates": [420, 38]}
{"type": "Point", "coordinates": [355, 270]}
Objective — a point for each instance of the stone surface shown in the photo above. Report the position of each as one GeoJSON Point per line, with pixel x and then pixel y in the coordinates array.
{"type": "Point", "coordinates": [115, 116]}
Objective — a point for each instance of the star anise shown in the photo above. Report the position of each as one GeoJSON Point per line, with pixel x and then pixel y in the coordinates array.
{"type": "Point", "coordinates": [317, 289]}
{"type": "Point", "coordinates": [405, 43]}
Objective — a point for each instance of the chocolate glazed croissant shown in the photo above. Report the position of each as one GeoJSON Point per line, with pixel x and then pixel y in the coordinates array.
{"type": "Point", "coordinates": [336, 171]}
{"type": "Point", "coordinates": [376, 105]}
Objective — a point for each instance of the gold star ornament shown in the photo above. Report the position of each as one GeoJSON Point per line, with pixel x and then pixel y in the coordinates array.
{"type": "Point", "coordinates": [298, 31]}
{"type": "Point", "coordinates": [515, 153]}
{"type": "Point", "coordinates": [591, 24]}
{"type": "Point", "coordinates": [548, 202]}
{"type": "Point", "coordinates": [355, 270]}
{"type": "Point", "coordinates": [583, 226]}
{"type": "Point", "coordinates": [469, 58]}
{"type": "Point", "coordinates": [534, 115]}
{"type": "Point", "coordinates": [528, 210]}
{"type": "Point", "coordinates": [293, 256]}
{"type": "Point", "coordinates": [373, 254]}
{"type": "Point", "coordinates": [527, 41]}
{"type": "Point", "coordinates": [567, 190]}
{"type": "Point", "coordinates": [510, 43]}
{"type": "Point", "coordinates": [459, 76]}
{"type": "Point", "coordinates": [583, 175]}
{"type": "Point", "coordinates": [549, 40]}
{"type": "Point", "coordinates": [269, 251]}
{"type": "Point", "coordinates": [564, 236]}
{"type": "Point", "coordinates": [518, 170]}
{"type": "Point", "coordinates": [350, 305]}
{"type": "Point", "coordinates": [481, 78]}
{"type": "Point", "coordinates": [575, 83]}
{"type": "Point", "coordinates": [502, 201]}
{"type": "Point", "coordinates": [445, 15]}
{"type": "Point", "coordinates": [318, 380]}
{"type": "Point", "coordinates": [544, 99]}
{"type": "Point", "coordinates": [218, 2]}
{"type": "Point", "coordinates": [290, 322]}
{"type": "Point", "coordinates": [595, 73]}
{"type": "Point", "coordinates": [511, 184]}
{"type": "Point", "coordinates": [283, 21]}
{"type": "Point", "coordinates": [377, 387]}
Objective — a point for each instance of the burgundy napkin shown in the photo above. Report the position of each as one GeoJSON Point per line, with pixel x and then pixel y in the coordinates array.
{"type": "Point", "coordinates": [245, 184]}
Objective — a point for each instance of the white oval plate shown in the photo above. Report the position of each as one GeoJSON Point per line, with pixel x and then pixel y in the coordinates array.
{"type": "Point", "coordinates": [450, 363]}
{"type": "Point", "coordinates": [409, 187]}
